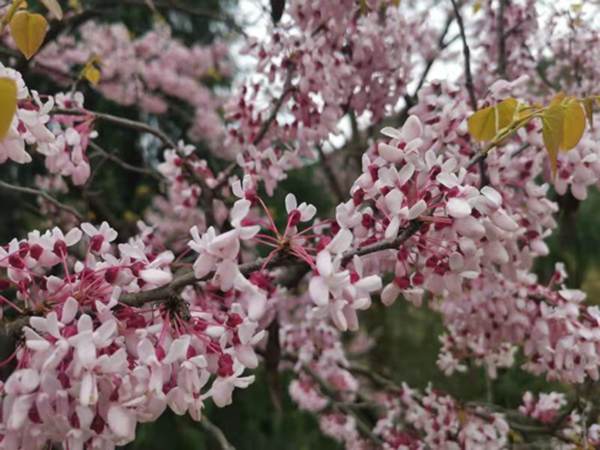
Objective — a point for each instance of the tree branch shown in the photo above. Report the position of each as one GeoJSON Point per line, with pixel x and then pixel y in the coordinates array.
{"type": "Point", "coordinates": [332, 393]}
{"type": "Point", "coordinates": [330, 175]}
{"type": "Point", "coordinates": [501, 36]}
{"type": "Point", "coordinates": [44, 194]}
{"type": "Point", "coordinates": [287, 89]}
{"type": "Point", "coordinates": [217, 433]}
{"type": "Point", "coordinates": [124, 164]}
{"type": "Point", "coordinates": [469, 82]}
{"type": "Point", "coordinates": [467, 56]}
{"type": "Point", "coordinates": [279, 260]}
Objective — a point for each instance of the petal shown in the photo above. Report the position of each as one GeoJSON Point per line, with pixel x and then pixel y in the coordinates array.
{"type": "Point", "coordinates": [391, 132]}
{"type": "Point", "coordinates": [390, 294]}
{"type": "Point", "coordinates": [341, 242]}
{"type": "Point", "coordinates": [412, 129]}
{"type": "Point", "coordinates": [240, 210]}
{"type": "Point", "coordinates": [319, 291]}
{"type": "Point", "coordinates": [405, 174]}
{"type": "Point", "coordinates": [290, 203]}
{"type": "Point", "coordinates": [121, 422]}
{"type": "Point", "coordinates": [73, 237]}
{"type": "Point", "coordinates": [324, 263]}
{"type": "Point", "coordinates": [389, 153]}
{"type": "Point", "coordinates": [492, 194]}
{"type": "Point", "coordinates": [69, 311]}
{"type": "Point", "coordinates": [504, 221]}
{"type": "Point", "coordinates": [417, 209]}
{"type": "Point", "coordinates": [458, 207]}
{"type": "Point", "coordinates": [155, 276]}
{"type": "Point", "coordinates": [308, 213]}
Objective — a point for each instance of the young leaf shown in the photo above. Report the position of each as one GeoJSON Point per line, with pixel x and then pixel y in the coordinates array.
{"type": "Point", "coordinates": [74, 4]}
{"type": "Point", "coordinates": [8, 104]}
{"type": "Point", "coordinates": [92, 74]}
{"type": "Point", "coordinates": [552, 131]}
{"type": "Point", "coordinates": [28, 30]}
{"type": "Point", "coordinates": [364, 8]}
{"type": "Point", "coordinates": [54, 7]}
{"type": "Point", "coordinates": [485, 123]}
{"type": "Point", "coordinates": [558, 98]}
{"type": "Point", "coordinates": [574, 126]}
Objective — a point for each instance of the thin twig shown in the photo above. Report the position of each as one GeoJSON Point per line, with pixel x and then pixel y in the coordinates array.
{"type": "Point", "coordinates": [469, 82]}
{"type": "Point", "coordinates": [120, 121]}
{"type": "Point", "coordinates": [330, 175]}
{"type": "Point", "coordinates": [207, 196]}
{"type": "Point", "coordinates": [467, 56]}
{"type": "Point", "coordinates": [217, 433]}
{"type": "Point", "coordinates": [332, 393]}
{"type": "Point", "coordinates": [124, 164]}
{"type": "Point", "coordinates": [287, 89]}
{"type": "Point", "coordinates": [501, 39]}
{"type": "Point", "coordinates": [44, 194]}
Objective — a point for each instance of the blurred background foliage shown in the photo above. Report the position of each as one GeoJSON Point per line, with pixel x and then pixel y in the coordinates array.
{"type": "Point", "coordinates": [405, 338]}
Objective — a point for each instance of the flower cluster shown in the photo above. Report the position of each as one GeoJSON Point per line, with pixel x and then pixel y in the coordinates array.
{"type": "Point", "coordinates": [62, 140]}
{"type": "Point", "coordinates": [91, 365]}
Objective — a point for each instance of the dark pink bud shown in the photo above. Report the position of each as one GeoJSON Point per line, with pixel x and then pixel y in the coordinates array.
{"type": "Point", "coordinates": [294, 218]}
{"type": "Point", "coordinates": [96, 242]}
{"type": "Point", "coordinates": [111, 275]}
{"type": "Point", "coordinates": [60, 249]}
{"type": "Point", "coordinates": [36, 251]}
{"type": "Point", "coordinates": [16, 261]}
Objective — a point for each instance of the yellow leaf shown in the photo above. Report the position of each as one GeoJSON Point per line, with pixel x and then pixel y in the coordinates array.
{"type": "Point", "coordinates": [476, 7]}
{"type": "Point", "coordinates": [462, 416]}
{"type": "Point", "coordinates": [558, 98]}
{"type": "Point", "coordinates": [76, 6]}
{"type": "Point", "coordinates": [396, 2]}
{"type": "Point", "coordinates": [91, 71]}
{"type": "Point", "coordinates": [92, 74]}
{"type": "Point", "coordinates": [588, 104]}
{"type": "Point", "coordinates": [574, 126]}
{"type": "Point", "coordinates": [28, 31]}
{"type": "Point", "coordinates": [364, 7]}
{"type": "Point", "coordinates": [10, 13]}
{"type": "Point", "coordinates": [552, 131]}
{"type": "Point", "coordinates": [54, 7]}
{"type": "Point", "coordinates": [485, 123]}
{"type": "Point", "coordinates": [8, 104]}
